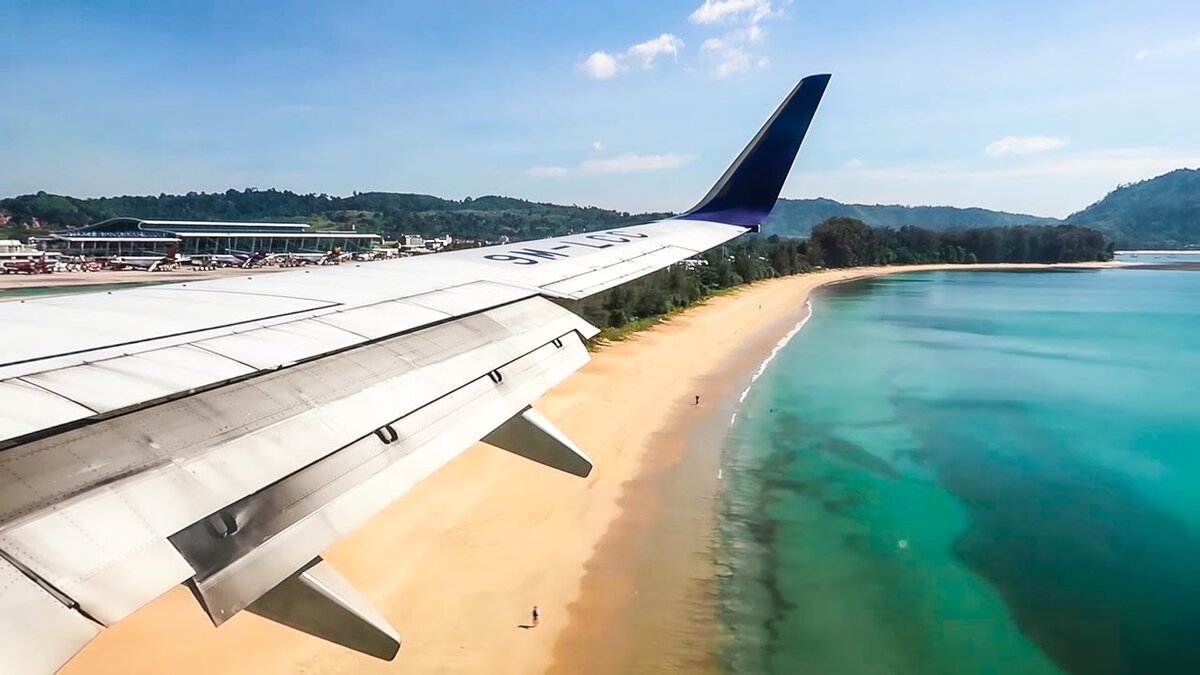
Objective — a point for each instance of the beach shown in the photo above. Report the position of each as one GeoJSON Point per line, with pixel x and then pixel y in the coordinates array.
{"type": "Point", "coordinates": [457, 563]}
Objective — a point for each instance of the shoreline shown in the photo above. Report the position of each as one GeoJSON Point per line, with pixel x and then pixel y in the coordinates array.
{"type": "Point", "coordinates": [456, 564]}
{"type": "Point", "coordinates": [592, 642]}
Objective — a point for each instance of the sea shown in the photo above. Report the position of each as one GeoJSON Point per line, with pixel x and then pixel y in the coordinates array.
{"type": "Point", "coordinates": [970, 472]}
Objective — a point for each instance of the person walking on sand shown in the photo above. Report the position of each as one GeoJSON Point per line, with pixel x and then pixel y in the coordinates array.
{"type": "Point", "coordinates": [535, 616]}
{"type": "Point", "coordinates": [697, 399]}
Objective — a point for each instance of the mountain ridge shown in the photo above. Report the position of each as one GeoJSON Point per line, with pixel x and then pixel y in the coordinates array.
{"type": "Point", "coordinates": [1160, 212]}
{"type": "Point", "coordinates": [797, 217]}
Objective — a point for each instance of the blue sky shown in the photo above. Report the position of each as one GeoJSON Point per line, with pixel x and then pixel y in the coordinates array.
{"type": "Point", "coordinates": [1038, 107]}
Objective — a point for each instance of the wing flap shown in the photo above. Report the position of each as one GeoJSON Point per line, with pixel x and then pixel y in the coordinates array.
{"type": "Point", "coordinates": [38, 634]}
{"type": "Point", "coordinates": [303, 514]}
{"type": "Point", "coordinates": [383, 319]}
{"type": "Point", "coordinates": [467, 298]}
{"type": "Point", "coordinates": [106, 381]}
{"type": "Point", "coordinates": [112, 384]}
{"type": "Point", "coordinates": [25, 408]}
{"type": "Point", "coordinates": [48, 327]}
{"type": "Point", "coordinates": [281, 345]}
{"type": "Point", "coordinates": [146, 475]}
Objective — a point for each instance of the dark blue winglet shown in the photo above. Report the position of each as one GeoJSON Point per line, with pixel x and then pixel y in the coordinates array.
{"type": "Point", "coordinates": [747, 192]}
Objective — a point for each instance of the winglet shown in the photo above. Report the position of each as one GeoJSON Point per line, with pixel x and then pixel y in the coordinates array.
{"type": "Point", "coordinates": [747, 192]}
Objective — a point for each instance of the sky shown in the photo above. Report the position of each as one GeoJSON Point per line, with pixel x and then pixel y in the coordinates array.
{"type": "Point", "coordinates": [1026, 106]}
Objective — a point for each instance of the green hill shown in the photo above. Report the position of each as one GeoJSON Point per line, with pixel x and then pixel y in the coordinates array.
{"type": "Point", "coordinates": [487, 217]}
{"type": "Point", "coordinates": [389, 213]}
{"type": "Point", "coordinates": [797, 217]}
{"type": "Point", "coordinates": [1162, 212]}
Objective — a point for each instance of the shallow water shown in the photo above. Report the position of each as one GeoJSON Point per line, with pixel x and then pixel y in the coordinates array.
{"type": "Point", "coordinates": [971, 472]}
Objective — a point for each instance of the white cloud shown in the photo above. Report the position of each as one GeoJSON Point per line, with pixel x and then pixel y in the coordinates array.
{"type": "Point", "coordinates": [1184, 47]}
{"type": "Point", "coordinates": [1023, 145]}
{"type": "Point", "coordinates": [546, 171]}
{"type": "Point", "coordinates": [728, 55]}
{"type": "Point", "coordinates": [600, 66]}
{"type": "Point", "coordinates": [724, 11]}
{"type": "Point", "coordinates": [724, 55]}
{"type": "Point", "coordinates": [732, 61]}
{"type": "Point", "coordinates": [604, 66]}
{"type": "Point", "coordinates": [597, 146]}
{"type": "Point", "coordinates": [647, 51]}
{"type": "Point", "coordinates": [632, 162]}
{"type": "Point", "coordinates": [855, 163]}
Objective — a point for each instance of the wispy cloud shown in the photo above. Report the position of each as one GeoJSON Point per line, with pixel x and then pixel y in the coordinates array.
{"type": "Point", "coordinates": [1171, 48]}
{"type": "Point", "coordinates": [726, 11]}
{"type": "Point", "coordinates": [726, 55]}
{"type": "Point", "coordinates": [1023, 145]}
{"type": "Point", "coordinates": [602, 65]}
{"type": "Point", "coordinates": [629, 162]}
{"type": "Point", "coordinates": [632, 163]}
{"type": "Point", "coordinates": [647, 51]}
{"type": "Point", "coordinates": [730, 53]}
{"type": "Point", "coordinates": [597, 146]}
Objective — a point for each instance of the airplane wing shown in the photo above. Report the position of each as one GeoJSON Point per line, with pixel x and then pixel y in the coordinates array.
{"type": "Point", "coordinates": [223, 433]}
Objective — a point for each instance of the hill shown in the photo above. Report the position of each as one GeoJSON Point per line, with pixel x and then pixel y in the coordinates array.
{"type": "Point", "coordinates": [1162, 212]}
{"type": "Point", "coordinates": [388, 213]}
{"type": "Point", "coordinates": [797, 217]}
{"type": "Point", "coordinates": [486, 217]}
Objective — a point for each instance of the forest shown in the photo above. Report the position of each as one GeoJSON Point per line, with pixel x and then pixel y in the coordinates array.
{"type": "Point", "coordinates": [837, 242]}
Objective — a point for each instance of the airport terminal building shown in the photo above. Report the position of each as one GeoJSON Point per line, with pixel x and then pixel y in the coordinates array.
{"type": "Point", "coordinates": [136, 238]}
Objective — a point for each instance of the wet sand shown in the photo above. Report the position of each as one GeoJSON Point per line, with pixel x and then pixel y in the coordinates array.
{"type": "Point", "coordinates": [457, 564]}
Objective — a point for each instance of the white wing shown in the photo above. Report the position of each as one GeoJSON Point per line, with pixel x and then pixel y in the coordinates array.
{"type": "Point", "coordinates": [223, 433]}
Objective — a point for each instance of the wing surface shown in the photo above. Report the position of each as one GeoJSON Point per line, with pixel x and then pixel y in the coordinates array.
{"type": "Point", "coordinates": [223, 433]}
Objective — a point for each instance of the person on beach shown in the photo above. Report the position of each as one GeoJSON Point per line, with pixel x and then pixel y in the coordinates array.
{"type": "Point", "coordinates": [697, 399]}
{"type": "Point", "coordinates": [535, 616]}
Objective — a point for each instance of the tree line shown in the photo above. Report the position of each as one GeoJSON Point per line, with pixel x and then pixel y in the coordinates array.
{"type": "Point", "coordinates": [846, 242]}
{"type": "Point", "coordinates": [835, 243]}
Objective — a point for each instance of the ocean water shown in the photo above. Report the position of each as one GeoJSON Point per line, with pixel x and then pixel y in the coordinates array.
{"type": "Point", "coordinates": [1160, 257]}
{"type": "Point", "coordinates": [971, 472]}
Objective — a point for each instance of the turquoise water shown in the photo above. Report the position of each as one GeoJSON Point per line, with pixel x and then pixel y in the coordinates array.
{"type": "Point", "coordinates": [970, 472]}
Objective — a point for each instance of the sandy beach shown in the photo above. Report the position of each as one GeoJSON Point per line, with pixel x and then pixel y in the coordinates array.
{"type": "Point", "coordinates": [457, 563]}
